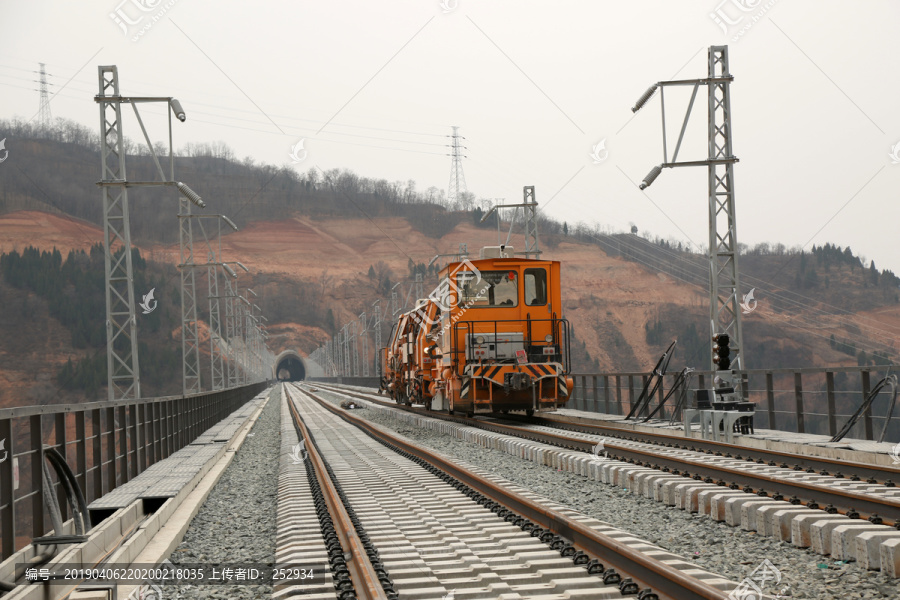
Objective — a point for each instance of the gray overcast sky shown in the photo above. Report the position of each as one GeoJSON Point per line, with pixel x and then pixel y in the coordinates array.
{"type": "Point", "coordinates": [533, 86]}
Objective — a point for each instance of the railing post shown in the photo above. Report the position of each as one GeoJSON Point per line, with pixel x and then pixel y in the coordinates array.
{"type": "Point", "coordinates": [59, 424]}
{"type": "Point", "coordinates": [583, 395]}
{"type": "Point", "coordinates": [594, 399]}
{"type": "Point", "coordinates": [643, 413]}
{"type": "Point", "coordinates": [171, 416]}
{"type": "Point", "coordinates": [97, 453]}
{"type": "Point", "coordinates": [606, 394]}
{"type": "Point", "coordinates": [630, 393]}
{"type": "Point", "coordinates": [166, 418]}
{"type": "Point", "coordinates": [659, 398]}
{"type": "Point", "coordinates": [123, 443]}
{"type": "Point", "coordinates": [37, 499]}
{"type": "Point", "coordinates": [798, 397]}
{"type": "Point", "coordinates": [164, 453]}
{"type": "Point", "coordinates": [111, 448]}
{"type": "Point", "coordinates": [829, 391]}
{"type": "Point", "coordinates": [867, 414]}
{"type": "Point", "coordinates": [140, 437]}
{"type": "Point", "coordinates": [7, 506]}
{"type": "Point", "coordinates": [156, 431]}
{"type": "Point", "coordinates": [146, 439]}
{"type": "Point", "coordinates": [619, 393]}
{"type": "Point", "coordinates": [198, 417]}
{"type": "Point", "coordinates": [770, 399]}
{"type": "Point", "coordinates": [178, 422]}
{"type": "Point", "coordinates": [175, 431]}
{"type": "Point", "coordinates": [133, 468]}
{"type": "Point", "coordinates": [81, 449]}
{"type": "Point", "coordinates": [188, 427]}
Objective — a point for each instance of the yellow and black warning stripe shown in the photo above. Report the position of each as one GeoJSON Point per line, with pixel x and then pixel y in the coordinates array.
{"type": "Point", "coordinates": [486, 371]}
{"type": "Point", "coordinates": [538, 370]}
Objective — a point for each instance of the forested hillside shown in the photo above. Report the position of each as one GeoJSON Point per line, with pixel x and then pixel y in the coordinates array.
{"type": "Point", "coordinates": [324, 246]}
{"type": "Point", "coordinates": [72, 290]}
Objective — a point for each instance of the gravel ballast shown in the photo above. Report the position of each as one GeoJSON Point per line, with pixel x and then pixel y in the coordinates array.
{"type": "Point", "coordinates": [731, 552]}
{"type": "Point", "coordinates": [237, 522]}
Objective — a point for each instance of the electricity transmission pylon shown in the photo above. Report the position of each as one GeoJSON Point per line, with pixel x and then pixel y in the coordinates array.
{"type": "Point", "coordinates": [377, 326]}
{"type": "Point", "coordinates": [123, 373]}
{"type": "Point", "coordinates": [345, 338]}
{"type": "Point", "coordinates": [529, 207]}
{"type": "Point", "coordinates": [190, 337]}
{"type": "Point", "coordinates": [123, 370]}
{"type": "Point", "coordinates": [725, 297]}
{"type": "Point", "coordinates": [724, 290]}
{"type": "Point", "coordinates": [44, 116]}
{"type": "Point", "coordinates": [457, 179]}
{"type": "Point", "coordinates": [419, 287]}
{"type": "Point", "coordinates": [217, 352]}
{"type": "Point", "coordinates": [354, 346]}
{"type": "Point", "coordinates": [364, 337]}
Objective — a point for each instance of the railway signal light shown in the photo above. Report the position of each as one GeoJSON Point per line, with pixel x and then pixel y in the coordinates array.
{"type": "Point", "coordinates": [721, 351]}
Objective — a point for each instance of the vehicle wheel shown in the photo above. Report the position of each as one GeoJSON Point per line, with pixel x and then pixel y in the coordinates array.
{"type": "Point", "coordinates": [529, 412]}
{"type": "Point", "coordinates": [469, 414]}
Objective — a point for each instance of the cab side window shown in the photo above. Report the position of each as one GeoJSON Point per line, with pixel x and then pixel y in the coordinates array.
{"type": "Point", "coordinates": [535, 287]}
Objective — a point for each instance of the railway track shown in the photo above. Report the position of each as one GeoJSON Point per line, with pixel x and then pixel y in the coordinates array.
{"type": "Point", "coordinates": [445, 530]}
{"type": "Point", "coordinates": [869, 473]}
{"type": "Point", "coordinates": [730, 466]}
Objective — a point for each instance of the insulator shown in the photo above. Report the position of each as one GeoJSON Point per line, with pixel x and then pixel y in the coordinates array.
{"type": "Point", "coordinates": [230, 222]}
{"type": "Point", "coordinates": [190, 194]}
{"type": "Point", "coordinates": [176, 108]}
{"type": "Point", "coordinates": [644, 98]}
{"type": "Point", "coordinates": [230, 271]}
{"type": "Point", "coordinates": [651, 177]}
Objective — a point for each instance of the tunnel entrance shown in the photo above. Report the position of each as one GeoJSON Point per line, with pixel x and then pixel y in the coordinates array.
{"type": "Point", "coordinates": [290, 368]}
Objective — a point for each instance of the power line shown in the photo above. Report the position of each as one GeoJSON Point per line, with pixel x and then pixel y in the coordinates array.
{"type": "Point", "coordinates": [771, 287]}
{"type": "Point", "coordinates": [872, 332]}
{"type": "Point", "coordinates": [89, 89]}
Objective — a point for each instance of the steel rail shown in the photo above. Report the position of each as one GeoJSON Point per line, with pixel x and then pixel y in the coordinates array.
{"type": "Point", "coordinates": [362, 574]}
{"type": "Point", "coordinates": [666, 581]}
{"type": "Point", "coordinates": [878, 473]}
{"type": "Point", "coordinates": [881, 473]}
{"type": "Point", "coordinates": [844, 501]}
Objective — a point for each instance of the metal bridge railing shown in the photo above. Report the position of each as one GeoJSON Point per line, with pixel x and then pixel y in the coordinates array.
{"type": "Point", "coordinates": [105, 443]}
{"type": "Point", "coordinates": [805, 400]}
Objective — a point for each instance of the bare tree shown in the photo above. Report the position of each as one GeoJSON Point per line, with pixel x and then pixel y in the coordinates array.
{"type": "Point", "coordinates": [325, 280]}
{"type": "Point", "coordinates": [382, 270]}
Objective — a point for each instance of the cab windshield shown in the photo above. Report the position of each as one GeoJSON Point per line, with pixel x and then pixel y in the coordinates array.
{"type": "Point", "coordinates": [488, 289]}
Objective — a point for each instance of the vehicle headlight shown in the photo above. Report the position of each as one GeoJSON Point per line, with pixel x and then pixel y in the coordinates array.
{"type": "Point", "coordinates": [479, 339]}
{"type": "Point", "coordinates": [548, 338]}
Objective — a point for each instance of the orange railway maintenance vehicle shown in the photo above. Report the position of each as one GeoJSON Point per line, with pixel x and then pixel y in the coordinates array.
{"type": "Point", "coordinates": [490, 338]}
